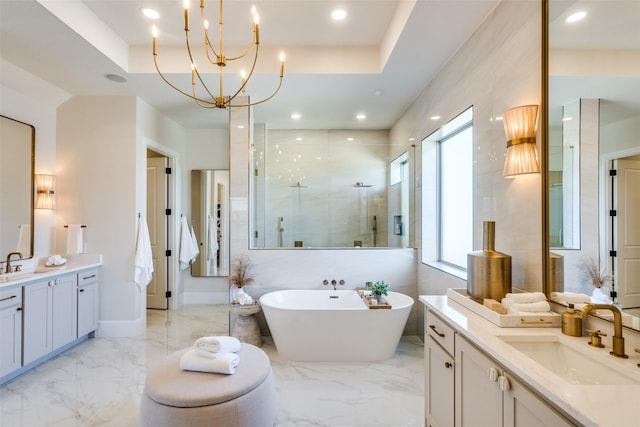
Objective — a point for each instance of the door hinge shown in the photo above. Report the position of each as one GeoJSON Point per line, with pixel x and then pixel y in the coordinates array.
{"type": "Point", "coordinates": [167, 294]}
{"type": "Point", "coordinates": [167, 252]}
{"type": "Point", "coordinates": [167, 171]}
{"type": "Point", "coordinates": [612, 212]}
{"type": "Point", "coordinates": [613, 253]}
{"type": "Point", "coordinates": [256, 234]}
{"type": "Point", "coordinates": [612, 172]}
{"type": "Point", "coordinates": [255, 172]}
{"type": "Point", "coordinates": [167, 211]}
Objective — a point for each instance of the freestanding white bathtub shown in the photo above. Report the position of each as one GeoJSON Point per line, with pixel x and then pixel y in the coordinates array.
{"type": "Point", "coordinates": [334, 326]}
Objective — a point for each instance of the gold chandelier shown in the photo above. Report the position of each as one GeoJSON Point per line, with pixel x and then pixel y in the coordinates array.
{"type": "Point", "coordinates": [207, 98]}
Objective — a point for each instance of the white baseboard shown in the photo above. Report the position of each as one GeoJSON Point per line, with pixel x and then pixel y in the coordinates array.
{"type": "Point", "coordinates": [121, 328]}
{"type": "Point", "coordinates": [205, 298]}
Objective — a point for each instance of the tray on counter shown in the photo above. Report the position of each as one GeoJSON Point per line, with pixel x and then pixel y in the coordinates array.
{"type": "Point", "coordinates": [516, 320]}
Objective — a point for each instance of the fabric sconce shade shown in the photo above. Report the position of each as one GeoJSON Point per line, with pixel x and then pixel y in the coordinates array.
{"type": "Point", "coordinates": [45, 188]}
{"type": "Point", "coordinates": [520, 126]}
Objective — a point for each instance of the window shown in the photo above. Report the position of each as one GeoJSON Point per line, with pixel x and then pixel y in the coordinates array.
{"type": "Point", "coordinates": [447, 195]}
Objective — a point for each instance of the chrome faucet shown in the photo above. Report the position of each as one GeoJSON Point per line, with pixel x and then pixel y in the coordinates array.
{"type": "Point", "coordinates": [8, 268]}
{"type": "Point", "coordinates": [618, 341]}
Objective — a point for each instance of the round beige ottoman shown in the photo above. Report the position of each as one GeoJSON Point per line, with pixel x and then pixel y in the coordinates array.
{"type": "Point", "coordinates": [176, 398]}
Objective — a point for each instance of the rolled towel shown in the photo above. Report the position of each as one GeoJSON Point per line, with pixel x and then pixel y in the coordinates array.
{"type": "Point", "coordinates": [570, 297]}
{"type": "Point", "coordinates": [210, 346]}
{"type": "Point", "coordinates": [524, 297]}
{"type": "Point", "coordinates": [223, 363]}
{"type": "Point", "coordinates": [527, 307]}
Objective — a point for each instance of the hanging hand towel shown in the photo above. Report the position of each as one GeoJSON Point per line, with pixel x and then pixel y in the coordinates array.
{"type": "Point", "coordinates": [24, 240]}
{"type": "Point", "coordinates": [143, 259]}
{"type": "Point", "coordinates": [75, 239]}
{"type": "Point", "coordinates": [212, 241]}
{"type": "Point", "coordinates": [188, 247]}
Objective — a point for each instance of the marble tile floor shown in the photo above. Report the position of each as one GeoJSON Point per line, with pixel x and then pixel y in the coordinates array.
{"type": "Point", "coordinates": [99, 382]}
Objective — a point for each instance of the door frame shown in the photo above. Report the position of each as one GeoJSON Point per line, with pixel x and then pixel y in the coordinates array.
{"type": "Point", "coordinates": [604, 200]}
{"type": "Point", "coordinates": [172, 202]}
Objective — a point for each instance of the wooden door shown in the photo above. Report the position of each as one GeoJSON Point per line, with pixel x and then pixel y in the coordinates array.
{"type": "Point", "coordinates": [157, 223]}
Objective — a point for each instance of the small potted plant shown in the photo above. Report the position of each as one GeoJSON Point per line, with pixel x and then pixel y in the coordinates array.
{"type": "Point", "coordinates": [378, 289]}
{"type": "Point", "coordinates": [241, 276]}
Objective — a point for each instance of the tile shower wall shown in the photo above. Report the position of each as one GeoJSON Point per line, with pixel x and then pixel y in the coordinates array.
{"type": "Point", "coordinates": [306, 268]}
{"type": "Point", "coordinates": [310, 181]}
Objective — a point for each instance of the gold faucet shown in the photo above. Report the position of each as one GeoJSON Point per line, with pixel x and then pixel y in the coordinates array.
{"type": "Point", "coordinates": [618, 341]}
{"type": "Point", "coordinates": [8, 268]}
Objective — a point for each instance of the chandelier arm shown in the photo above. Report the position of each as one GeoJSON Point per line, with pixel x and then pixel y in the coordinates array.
{"type": "Point", "coordinates": [195, 69]}
{"type": "Point", "coordinates": [244, 84]}
{"type": "Point", "coordinates": [155, 61]}
{"type": "Point", "coordinates": [251, 104]}
{"type": "Point", "coordinates": [245, 53]}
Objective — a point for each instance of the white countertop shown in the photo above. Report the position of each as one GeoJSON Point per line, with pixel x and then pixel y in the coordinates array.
{"type": "Point", "coordinates": [74, 263]}
{"type": "Point", "coordinates": [590, 405]}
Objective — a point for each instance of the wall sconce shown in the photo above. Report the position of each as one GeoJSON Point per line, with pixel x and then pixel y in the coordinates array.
{"type": "Point", "coordinates": [45, 189]}
{"type": "Point", "coordinates": [520, 125]}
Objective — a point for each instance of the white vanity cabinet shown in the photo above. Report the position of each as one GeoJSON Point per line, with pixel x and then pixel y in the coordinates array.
{"type": "Point", "coordinates": [490, 396]}
{"type": "Point", "coordinates": [87, 302]}
{"type": "Point", "coordinates": [439, 367]}
{"type": "Point", "coordinates": [50, 316]}
{"type": "Point", "coordinates": [10, 330]}
{"type": "Point", "coordinates": [467, 388]}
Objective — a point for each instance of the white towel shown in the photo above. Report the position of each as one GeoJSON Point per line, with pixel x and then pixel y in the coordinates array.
{"type": "Point", "coordinates": [570, 297]}
{"type": "Point", "coordinates": [525, 297]}
{"type": "Point", "coordinates": [75, 239]}
{"type": "Point", "coordinates": [143, 259]}
{"type": "Point", "coordinates": [223, 363]}
{"type": "Point", "coordinates": [526, 307]}
{"type": "Point", "coordinates": [212, 241]}
{"type": "Point", "coordinates": [213, 345]}
{"type": "Point", "coordinates": [24, 240]}
{"type": "Point", "coordinates": [188, 247]}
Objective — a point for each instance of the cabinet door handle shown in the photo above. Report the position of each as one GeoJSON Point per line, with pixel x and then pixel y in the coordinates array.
{"type": "Point", "coordinates": [52, 283]}
{"type": "Point", "coordinates": [4, 299]}
{"type": "Point", "coordinates": [89, 277]}
{"type": "Point", "coordinates": [19, 309]}
{"type": "Point", "coordinates": [433, 328]}
{"type": "Point", "coordinates": [493, 374]}
{"type": "Point", "coordinates": [81, 290]}
{"type": "Point", "coordinates": [504, 384]}
{"type": "Point", "coordinates": [448, 364]}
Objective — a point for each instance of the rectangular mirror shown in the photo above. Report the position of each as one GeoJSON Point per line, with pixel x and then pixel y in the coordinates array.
{"type": "Point", "coordinates": [210, 221]}
{"type": "Point", "coordinates": [17, 153]}
{"type": "Point", "coordinates": [329, 189]}
{"type": "Point", "coordinates": [596, 68]}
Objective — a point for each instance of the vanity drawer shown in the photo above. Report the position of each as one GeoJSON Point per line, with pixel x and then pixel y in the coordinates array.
{"type": "Point", "coordinates": [10, 297]}
{"type": "Point", "coordinates": [87, 277]}
{"type": "Point", "coordinates": [440, 331]}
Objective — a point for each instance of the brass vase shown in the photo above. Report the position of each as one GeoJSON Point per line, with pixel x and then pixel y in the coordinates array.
{"type": "Point", "coordinates": [488, 271]}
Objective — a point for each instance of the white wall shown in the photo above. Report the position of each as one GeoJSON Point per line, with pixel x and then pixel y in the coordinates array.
{"type": "Point", "coordinates": [205, 149]}
{"type": "Point", "coordinates": [498, 68]}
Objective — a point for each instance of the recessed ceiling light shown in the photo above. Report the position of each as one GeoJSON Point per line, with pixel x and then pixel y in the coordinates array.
{"type": "Point", "coordinates": [412, 139]}
{"type": "Point", "coordinates": [435, 117]}
{"type": "Point", "coordinates": [350, 139]}
{"type": "Point", "coordinates": [299, 138]}
{"type": "Point", "coordinates": [296, 116]}
{"type": "Point", "coordinates": [361, 116]}
{"type": "Point", "coordinates": [338, 14]}
{"type": "Point", "coordinates": [150, 13]}
{"type": "Point", "coordinates": [575, 17]}
{"type": "Point", "coordinates": [115, 78]}
{"type": "Point", "coordinates": [240, 126]}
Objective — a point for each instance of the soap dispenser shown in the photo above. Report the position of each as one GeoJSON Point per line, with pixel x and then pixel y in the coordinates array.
{"type": "Point", "coordinates": [571, 322]}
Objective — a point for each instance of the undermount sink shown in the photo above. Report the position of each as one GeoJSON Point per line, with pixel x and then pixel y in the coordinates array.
{"type": "Point", "coordinates": [577, 366]}
{"type": "Point", "coordinates": [9, 277]}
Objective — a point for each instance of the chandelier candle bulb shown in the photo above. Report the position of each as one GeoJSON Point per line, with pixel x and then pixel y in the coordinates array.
{"type": "Point", "coordinates": [186, 15]}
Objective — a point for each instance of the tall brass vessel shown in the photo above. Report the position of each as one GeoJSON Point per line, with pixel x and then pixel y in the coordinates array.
{"type": "Point", "coordinates": [488, 271]}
